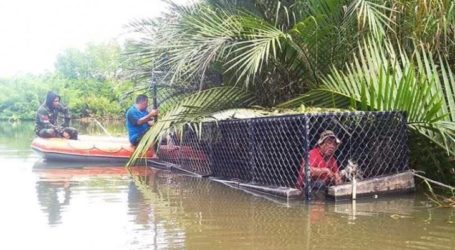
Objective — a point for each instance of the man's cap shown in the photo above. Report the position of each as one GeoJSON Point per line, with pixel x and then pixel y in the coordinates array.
{"type": "Point", "coordinates": [327, 134]}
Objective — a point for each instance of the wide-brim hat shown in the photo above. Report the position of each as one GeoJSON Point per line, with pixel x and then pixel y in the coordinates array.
{"type": "Point", "coordinates": [327, 134]}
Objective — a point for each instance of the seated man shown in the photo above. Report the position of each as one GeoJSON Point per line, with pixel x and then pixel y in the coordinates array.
{"type": "Point", "coordinates": [47, 116]}
{"type": "Point", "coordinates": [323, 165]}
{"type": "Point", "coordinates": [138, 119]}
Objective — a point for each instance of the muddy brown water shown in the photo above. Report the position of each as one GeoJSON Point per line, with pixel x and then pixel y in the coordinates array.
{"type": "Point", "coordinates": [82, 206]}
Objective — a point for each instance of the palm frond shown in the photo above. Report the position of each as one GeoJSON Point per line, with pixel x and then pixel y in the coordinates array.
{"type": "Point", "coordinates": [382, 79]}
{"type": "Point", "coordinates": [372, 15]}
{"type": "Point", "coordinates": [196, 41]}
{"type": "Point", "coordinates": [258, 42]}
{"type": "Point", "coordinates": [190, 110]}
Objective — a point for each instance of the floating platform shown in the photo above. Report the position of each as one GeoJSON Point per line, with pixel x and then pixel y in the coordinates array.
{"type": "Point", "coordinates": [398, 183]}
{"type": "Point", "coordinates": [392, 184]}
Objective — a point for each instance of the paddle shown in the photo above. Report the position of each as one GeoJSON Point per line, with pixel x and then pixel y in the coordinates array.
{"type": "Point", "coordinates": [102, 127]}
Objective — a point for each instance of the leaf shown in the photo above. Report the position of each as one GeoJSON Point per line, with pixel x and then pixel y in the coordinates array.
{"type": "Point", "coordinates": [414, 86]}
{"type": "Point", "coordinates": [192, 110]}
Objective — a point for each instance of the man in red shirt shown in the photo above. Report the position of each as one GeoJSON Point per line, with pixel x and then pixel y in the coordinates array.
{"type": "Point", "coordinates": [323, 165]}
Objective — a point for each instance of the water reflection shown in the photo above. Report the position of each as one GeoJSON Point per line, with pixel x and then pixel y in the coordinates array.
{"type": "Point", "coordinates": [59, 183]}
{"type": "Point", "coordinates": [206, 210]}
{"type": "Point", "coordinates": [82, 206]}
{"type": "Point", "coordinates": [49, 193]}
{"type": "Point", "coordinates": [56, 180]}
{"type": "Point", "coordinates": [138, 206]}
{"type": "Point", "coordinates": [15, 138]}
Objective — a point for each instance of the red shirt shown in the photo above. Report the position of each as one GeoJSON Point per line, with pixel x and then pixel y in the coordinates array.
{"type": "Point", "coordinates": [316, 161]}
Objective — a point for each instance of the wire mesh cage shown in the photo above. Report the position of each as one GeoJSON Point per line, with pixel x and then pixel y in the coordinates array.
{"type": "Point", "coordinates": [309, 152]}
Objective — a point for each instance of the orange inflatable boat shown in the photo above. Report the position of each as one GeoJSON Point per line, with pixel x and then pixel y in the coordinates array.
{"type": "Point", "coordinates": [87, 149]}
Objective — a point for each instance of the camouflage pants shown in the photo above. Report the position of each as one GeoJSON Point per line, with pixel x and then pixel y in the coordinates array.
{"type": "Point", "coordinates": [51, 133]}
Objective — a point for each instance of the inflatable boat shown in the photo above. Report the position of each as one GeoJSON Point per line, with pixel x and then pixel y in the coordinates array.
{"type": "Point", "coordinates": [86, 149]}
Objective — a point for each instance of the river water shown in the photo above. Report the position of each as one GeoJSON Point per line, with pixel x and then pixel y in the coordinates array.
{"type": "Point", "coordinates": [77, 206]}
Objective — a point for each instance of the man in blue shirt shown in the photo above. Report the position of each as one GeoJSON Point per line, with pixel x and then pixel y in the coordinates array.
{"type": "Point", "coordinates": [139, 120]}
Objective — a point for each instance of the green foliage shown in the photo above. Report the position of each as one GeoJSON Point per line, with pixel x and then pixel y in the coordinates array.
{"type": "Point", "coordinates": [295, 52]}
{"type": "Point", "coordinates": [379, 78]}
{"type": "Point", "coordinates": [20, 97]}
{"type": "Point", "coordinates": [90, 82]}
{"type": "Point", "coordinates": [99, 62]}
{"type": "Point", "coordinates": [428, 157]}
{"type": "Point", "coordinates": [283, 47]}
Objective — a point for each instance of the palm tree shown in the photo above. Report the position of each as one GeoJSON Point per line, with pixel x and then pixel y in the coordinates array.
{"type": "Point", "coordinates": [382, 79]}
{"type": "Point", "coordinates": [290, 48]}
{"type": "Point", "coordinates": [284, 47]}
{"type": "Point", "coordinates": [281, 53]}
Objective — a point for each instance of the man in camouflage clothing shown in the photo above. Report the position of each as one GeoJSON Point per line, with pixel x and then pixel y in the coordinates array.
{"type": "Point", "coordinates": [46, 119]}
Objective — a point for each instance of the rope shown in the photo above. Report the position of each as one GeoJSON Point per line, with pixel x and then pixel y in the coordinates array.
{"type": "Point", "coordinates": [433, 181]}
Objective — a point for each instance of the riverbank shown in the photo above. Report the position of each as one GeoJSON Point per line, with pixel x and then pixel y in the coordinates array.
{"type": "Point", "coordinates": [119, 118]}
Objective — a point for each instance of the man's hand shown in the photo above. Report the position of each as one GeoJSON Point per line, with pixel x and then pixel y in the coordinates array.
{"type": "Point", "coordinates": [327, 172]}
{"type": "Point", "coordinates": [66, 135]}
{"type": "Point", "coordinates": [337, 179]}
{"type": "Point", "coordinates": [334, 177]}
{"type": "Point", "coordinates": [148, 117]}
{"type": "Point", "coordinates": [153, 113]}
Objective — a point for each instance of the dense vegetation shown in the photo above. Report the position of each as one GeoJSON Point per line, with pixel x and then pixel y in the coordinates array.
{"type": "Point", "coordinates": [351, 54]}
{"type": "Point", "coordinates": [92, 82]}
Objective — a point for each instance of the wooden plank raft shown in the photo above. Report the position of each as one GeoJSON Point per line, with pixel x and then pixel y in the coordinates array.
{"type": "Point", "coordinates": [398, 183]}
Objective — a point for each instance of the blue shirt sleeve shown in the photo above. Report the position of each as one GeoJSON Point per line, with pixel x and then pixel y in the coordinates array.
{"type": "Point", "coordinates": [135, 131]}
{"type": "Point", "coordinates": [134, 115]}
